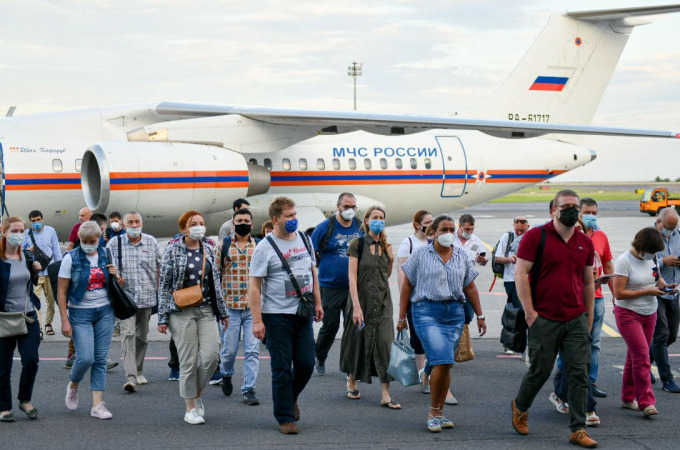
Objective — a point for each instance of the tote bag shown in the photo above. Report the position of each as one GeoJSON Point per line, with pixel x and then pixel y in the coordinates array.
{"type": "Point", "coordinates": [402, 365]}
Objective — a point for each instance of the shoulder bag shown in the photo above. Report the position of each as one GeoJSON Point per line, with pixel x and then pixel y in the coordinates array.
{"type": "Point", "coordinates": [306, 306]}
{"type": "Point", "coordinates": [402, 365]}
{"type": "Point", "coordinates": [123, 306]}
{"type": "Point", "coordinates": [39, 255]}
{"type": "Point", "coordinates": [193, 295]}
{"type": "Point", "coordinates": [14, 323]}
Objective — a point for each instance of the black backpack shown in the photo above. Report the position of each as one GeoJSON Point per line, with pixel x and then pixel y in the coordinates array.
{"type": "Point", "coordinates": [226, 243]}
{"type": "Point", "coordinates": [498, 268]}
{"type": "Point", "coordinates": [329, 233]}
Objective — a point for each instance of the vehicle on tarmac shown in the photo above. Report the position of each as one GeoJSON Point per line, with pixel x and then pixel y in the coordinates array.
{"type": "Point", "coordinates": [655, 199]}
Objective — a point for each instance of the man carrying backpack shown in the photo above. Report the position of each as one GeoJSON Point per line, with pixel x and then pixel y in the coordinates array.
{"type": "Point", "coordinates": [332, 238]}
{"type": "Point", "coordinates": [506, 256]}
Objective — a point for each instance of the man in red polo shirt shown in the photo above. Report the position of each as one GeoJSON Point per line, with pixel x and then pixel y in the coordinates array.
{"type": "Point", "coordinates": [558, 299]}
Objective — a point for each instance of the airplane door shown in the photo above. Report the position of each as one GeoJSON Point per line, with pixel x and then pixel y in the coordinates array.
{"type": "Point", "coordinates": [454, 166]}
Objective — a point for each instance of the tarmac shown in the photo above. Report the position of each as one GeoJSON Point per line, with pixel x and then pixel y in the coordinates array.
{"type": "Point", "coordinates": [152, 417]}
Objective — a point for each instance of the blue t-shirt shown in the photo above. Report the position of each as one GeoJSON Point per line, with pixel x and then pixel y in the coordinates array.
{"type": "Point", "coordinates": [333, 261]}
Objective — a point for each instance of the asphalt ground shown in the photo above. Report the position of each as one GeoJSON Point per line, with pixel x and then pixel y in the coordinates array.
{"type": "Point", "coordinates": [153, 416]}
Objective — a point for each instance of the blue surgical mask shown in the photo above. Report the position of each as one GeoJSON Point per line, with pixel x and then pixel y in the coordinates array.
{"type": "Point", "coordinates": [37, 226]}
{"type": "Point", "coordinates": [291, 225]}
{"type": "Point", "coordinates": [589, 220]}
{"type": "Point", "coordinates": [89, 248]}
{"type": "Point", "coordinates": [376, 226]}
{"type": "Point", "coordinates": [666, 232]}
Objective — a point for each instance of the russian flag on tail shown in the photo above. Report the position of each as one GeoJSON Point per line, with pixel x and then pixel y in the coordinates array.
{"type": "Point", "coordinates": [549, 83]}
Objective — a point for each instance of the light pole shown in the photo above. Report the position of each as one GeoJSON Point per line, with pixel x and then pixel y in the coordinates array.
{"type": "Point", "coordinates": [354, 71]}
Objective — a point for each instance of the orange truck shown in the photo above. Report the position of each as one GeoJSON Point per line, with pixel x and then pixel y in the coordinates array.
{"type": "Point", "coordinates": [654, 200]}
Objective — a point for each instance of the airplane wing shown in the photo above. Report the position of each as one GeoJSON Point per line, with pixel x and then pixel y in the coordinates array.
{"type": "Point", "coordinates": [340, 121]}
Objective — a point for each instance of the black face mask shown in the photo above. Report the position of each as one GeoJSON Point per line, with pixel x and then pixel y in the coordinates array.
{"type": "Point", "coordinates": [243, 229]}
{"type": "Point", "coordinates": [568, 217]}
{"type": "Point", "coordinates": [423, 229]}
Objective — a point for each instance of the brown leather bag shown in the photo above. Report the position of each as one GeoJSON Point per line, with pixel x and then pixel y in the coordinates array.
{"type": "Point", "coordinates": [464, 351]}
{"type": "Point", "coordinates": [193, 295]}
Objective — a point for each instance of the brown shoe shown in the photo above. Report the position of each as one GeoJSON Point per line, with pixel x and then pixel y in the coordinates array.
{"type": "Point", "coordinates": [296, 412]}
{"type": "Point", "coordinates": [580, 437]}
{"type": "Point", "coordinates": [288, 428]}
{"type": "Point", "coordinates": [520, 420]}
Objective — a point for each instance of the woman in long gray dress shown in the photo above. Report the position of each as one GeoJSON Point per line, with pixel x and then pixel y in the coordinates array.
{"type": "Point", "coordinates": [369, 328]}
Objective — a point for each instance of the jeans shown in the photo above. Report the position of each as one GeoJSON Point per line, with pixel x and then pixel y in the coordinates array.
{"type": "Point", "coordinates": [241, 319]}
{"type": "Point", "coordinates": [665, 333]}
{"type": "Point", "coordinates": [28, 350]}
{"type": "Point", "coordinates": [92, 333]}
{"type": "Point", "coordinates": [546, 338]}
{"type": "Point", "coordinates": [596, 333]}
{"type": "Point", "coordinates": [333, 302]}
{"type": "Point", "coordinates": [290, 341]}
{"type": "Point", "coordinates": [637, 330]}
{"type": "Point", "coordinates": [133, 333]}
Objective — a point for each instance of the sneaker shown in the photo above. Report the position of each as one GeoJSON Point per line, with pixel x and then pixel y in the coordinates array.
{"type": "Point", "coordinates": [434, 424]}
{"type": "Point", "coordinates": [650, 411]}
{"type": "Point", "coordinates": [580, 437]}
{"type": "Point", "coordinates": [227, 387]}
{"type": "Point", "coordinates": [141, 379]}
{"type": "Point", "coordinates": [288, 428]}
{"type": "Point", "coordinates": [216, 378]}
{"type": "Point", "coordinates": [631, 405]}
{"type": "Point", "coordinates": [174, 374]}
{"type": "Point", "coordinates": [100, 412]}
{"type": "Point", "coordinates": [200, 409]}
{"type": "Point", "coordinates": [111, 364]}
{"type": "Point", "coordinates": [592, 420]}
{"type": "Point", "coordinates": [520, 419]}
{"type": "Point", "coordinates": [250, 399]}
{"type": "Point", "coordinates": [445, 423]}
{"type": "Point", "coordinates": [671, 387]}
{"type": "Point", "coordinates": [507, 351]}
{"type": "Point", "coordinates": [193, 418]}
{"type": "Point", "coordinates": [69, 361]}
{"type": "Point", "coordinates": [130, 387]}
{"type": "Point", "coordinates": [71, 397]}
{"type": "Point", "coordinates": [424, 388]}
{"type": "Point", "coordinates": [320, 367]}
{"type": "Point", "coordinates": [562, 407]}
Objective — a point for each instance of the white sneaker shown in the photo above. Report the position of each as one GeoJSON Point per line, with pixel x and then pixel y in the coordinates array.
{"type": "Point", "coordinates": [592, 420]}
{"type": "Point", "coordinates": [193, 418]}
{"type": "Point", "coordinates": [71, 397]}
{"type": "Point", "coordinates": [100, 412]}
{"type": "Point", "coordinates": [200, 409]}
{"type": "Point", "coordinates": [141, 379]}
{"type": "Point", "coordinates": [130, 387]}
{"type": "Point", "coordinates": [562, 407]}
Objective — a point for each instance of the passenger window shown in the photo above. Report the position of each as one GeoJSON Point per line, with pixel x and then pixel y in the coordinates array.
{"type": "Point", "coordinates": [286, 164]}
{"type": "Point", "coordinates": [414, 163]}
{"type": "Point", "coordinates": [79, 163]}
{"type": "Point", "coordinates": [303, 164]}
{"type": "Point", "coordinates": [320, 164]}
{"type": "Point", "coordinates": [252, 161]}
{"type": "Point", "coordinates": [268, 164]}
{"type": "Point", "coordinates": [428, 163]}
{"type": "Point", "coordinates": [57, 166]}
{"type": "Point", "coordinates": [383, 163]}
{"type": "Point", "coordinates": [398, 164]}
{"type": "Point", "coordinates": [367, 164]}
{"type": "Point", "coordinates": [352, 164]}
{"type": "Point", "coordinates": [336, 164]}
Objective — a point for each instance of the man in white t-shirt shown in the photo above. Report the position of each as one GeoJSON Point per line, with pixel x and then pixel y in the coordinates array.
{"type": "Point", "coordinates": [274, 301]}
{"type": "Point", "coordinates": [465, 239]}
{"type": "Point", "coordinates": [519, 227]}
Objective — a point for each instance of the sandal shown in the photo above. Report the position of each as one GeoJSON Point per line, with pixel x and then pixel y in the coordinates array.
{"type": "Point", "coordinates": [391, 405]}
{"type": "Point", "coordinates": [48, 330]}
{"type": "Point", "coordinates": [30, 413]}
{"type": "Point", "coordinates": [354, 395]}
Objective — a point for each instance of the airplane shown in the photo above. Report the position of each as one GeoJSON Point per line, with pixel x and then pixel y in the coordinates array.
{"type": "Point", "coordinates": [165, 158]}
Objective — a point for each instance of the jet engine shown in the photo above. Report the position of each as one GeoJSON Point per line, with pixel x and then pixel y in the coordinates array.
{"type": "Point", "coordinates": [166, 179]}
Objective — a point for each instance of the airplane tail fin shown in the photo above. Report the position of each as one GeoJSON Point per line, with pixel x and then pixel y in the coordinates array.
{"type": "Point", "coordinates": [563, 75]}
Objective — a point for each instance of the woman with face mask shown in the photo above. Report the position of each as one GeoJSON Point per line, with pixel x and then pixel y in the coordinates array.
{"type": "Point", "coordinates": [87, 315]}
{"type": "Point", "coordinates": [438, 279]}
{"type": "Point", "coordinates": [17, 270]}
{"type": "Point", "coordinates": [635, 311]}
{"type": "Point", "coordinates": [189, 261]}
{"type": "Point", "coordinates": [369, 327]}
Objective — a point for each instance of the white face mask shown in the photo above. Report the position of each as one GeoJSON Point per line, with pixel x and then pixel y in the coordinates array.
{"type": "Point", "coordinates": [134, 232]}
{"type": "Point", "coordinates": [115, 226]}
{"type": "Point", "coordinates": [15, 239]}
{"type": "Point", "coordinates": [197, 232]}
{"type": "Point", "coordinates": [446, 239]}
{"type": "Point", "coordinates": [348, 214]}
{"type": "Point", "coordinates": [647, 256]}
{"type": "Point", "coordinates": [465, 235]}
{"type": "Point", "coordinates": [89, 248]}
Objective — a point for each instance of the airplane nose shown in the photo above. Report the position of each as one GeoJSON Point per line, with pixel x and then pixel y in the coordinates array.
{"type": "Point", "coordinates": [593, 154]}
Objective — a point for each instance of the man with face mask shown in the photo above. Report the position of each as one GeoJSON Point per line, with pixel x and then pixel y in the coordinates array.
{"type": "Point", "coordinates": [138, 258]}
{"type": "Point", "coordinates": [668, 312]}
{"type": "Point", "coordinates": [554, 280]}
{"type": "Point", "coordinates": [466, 239]}
{"type": "Point", "coordinates": [234, 258]}
{"type": "Point", "coordinates": [115, 226]}
{"type": "Point", "coordinates": [331, 238]}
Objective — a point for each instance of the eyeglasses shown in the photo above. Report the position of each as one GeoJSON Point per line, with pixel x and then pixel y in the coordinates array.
{"type": "Point", "coordinates": [521, 221]}
{"type": "Point", "coordinates": [565, 207]}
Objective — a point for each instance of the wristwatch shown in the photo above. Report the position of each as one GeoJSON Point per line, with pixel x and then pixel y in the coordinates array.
{"type": "Point", "coordinates": [481, 317]}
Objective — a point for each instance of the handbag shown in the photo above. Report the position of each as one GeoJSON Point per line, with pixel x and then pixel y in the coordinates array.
{"type": "Point", "coordinates": [39, 255]}
{"type": "Point", "coordinates": [14, 323]}
{"type": "Point", "coordinates": [123, 306]}
{"type": "Point", "coordinates": [464, 351]}
{"type": "Point", "coordinates": [193, 295]}
{"type": "Point", "coordinates": [402, 365]}
{"type": "Point", "coordinates": [306, 306]}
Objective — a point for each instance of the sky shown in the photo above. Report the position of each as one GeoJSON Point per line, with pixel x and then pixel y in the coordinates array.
{"type": "Point", "coordinates": [434, 57]}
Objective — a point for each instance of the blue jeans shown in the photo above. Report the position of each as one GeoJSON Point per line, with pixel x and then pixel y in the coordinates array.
{"type": "Point", "coordinates": [596, 334]}
{"type": "Point", "coordinates": [241, 319]}
{"type": "Point", "coordinates": [290, 341]}
{"type": "Point", "coordinates": [92, 333]}
{"type": "Point", "coordinates": [27, 345]}
{"type": "Point", "coordinates": [439, 326]}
